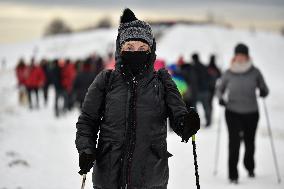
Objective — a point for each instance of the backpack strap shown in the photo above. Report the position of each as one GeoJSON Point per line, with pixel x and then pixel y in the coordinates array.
{"type": "Point", "coordinates": [108, 81]}
{"type": "Point", "coordinates": [106, 90]}
{"type": "Point", "coordinates": [159, 75]}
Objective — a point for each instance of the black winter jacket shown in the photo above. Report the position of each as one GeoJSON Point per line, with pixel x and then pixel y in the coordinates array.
{"type": "Point", "coordinates": [81, 84]}
{"type": "Point", "coordinates": [130, 116]}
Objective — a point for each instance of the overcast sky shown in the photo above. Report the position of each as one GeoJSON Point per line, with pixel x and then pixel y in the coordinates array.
{"type": "Point", "coordinates": [26, 19]}
{"type": "Point", "coordinates": [143, 2]}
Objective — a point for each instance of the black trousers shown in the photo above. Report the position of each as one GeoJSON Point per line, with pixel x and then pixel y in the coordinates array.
{"type": "Point", "coordinates": [59, 107]}
{"type": "Point", "coordinates": [45, 93]}
{"type": "Point", "coordinates": [35, 91]}
{"type": "Point", "coordinates": [203, 98]}
{"type": "Point", "coordinates": [241, 127]}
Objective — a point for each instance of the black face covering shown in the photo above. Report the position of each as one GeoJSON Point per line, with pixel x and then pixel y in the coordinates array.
{"type": "Point", "coordinates": [136, 61]}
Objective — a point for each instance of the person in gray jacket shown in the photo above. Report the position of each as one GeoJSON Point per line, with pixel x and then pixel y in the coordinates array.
{"type": "Point", "coordinates": [240, 83]}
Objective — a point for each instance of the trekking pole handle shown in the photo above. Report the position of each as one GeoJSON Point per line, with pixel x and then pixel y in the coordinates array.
{"type": "Point", "coordinates": [193, 138]}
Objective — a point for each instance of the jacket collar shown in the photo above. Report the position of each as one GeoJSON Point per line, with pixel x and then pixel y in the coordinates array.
{"type": "Point", "coordinates": [240, 68]}
{"type": "Point", "coordinates": [129, 77]}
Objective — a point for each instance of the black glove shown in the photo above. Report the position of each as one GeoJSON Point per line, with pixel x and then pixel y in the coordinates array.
{"type": "Point", "coordinates": [222, 102]}
{"type": "Point", "coordinates": [191, 124]}
{"type": "Point", "coordinates": [86, 162]}
{"type": "Point", "coordinates": [263, 94]}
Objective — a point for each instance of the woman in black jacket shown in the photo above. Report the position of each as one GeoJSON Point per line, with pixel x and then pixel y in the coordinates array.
{"type": "Point", "coordinates": [129, 108]}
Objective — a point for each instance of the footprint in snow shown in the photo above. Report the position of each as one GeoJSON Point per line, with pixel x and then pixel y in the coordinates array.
{"type": "Point", "coordinates": [12, 154]}
{"type": "Point", "coordinates": [19, 162]}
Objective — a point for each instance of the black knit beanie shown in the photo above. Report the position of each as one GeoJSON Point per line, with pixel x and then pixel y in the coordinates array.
{"type": "Point", "coordinates": [241, 49]}
{"type": "Point", "coordinates": [131, 28]}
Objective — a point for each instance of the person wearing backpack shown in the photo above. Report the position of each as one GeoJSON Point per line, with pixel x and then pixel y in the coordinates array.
{"type": "Point", "coordinates": [129, 107]}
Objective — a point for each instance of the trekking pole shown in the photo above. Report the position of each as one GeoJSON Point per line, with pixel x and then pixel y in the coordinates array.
{"type": "Point", "coordinates": [195, 161]}
{"type": "Point", "coordinates": [217, 152]}
{"type": "Point", "coordinates": [83, 181]}
{"type": "Point", "coordinates": [271, 142]}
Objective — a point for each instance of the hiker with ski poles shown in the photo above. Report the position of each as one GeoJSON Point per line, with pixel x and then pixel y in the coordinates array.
{"type": "Point", "coordinates": [240, 82]}
{"type": "Point", "coordinates": [129, 107]}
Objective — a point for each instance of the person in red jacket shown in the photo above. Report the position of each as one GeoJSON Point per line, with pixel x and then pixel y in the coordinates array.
{"type": "Point", "coordinates": [35, 80]}
{"type": "Point", "coordinates": [159, 64]}
{"type": "Point", "coordinates": [21, 73]}
{"type": "Point", "coordinates": [68, 75]}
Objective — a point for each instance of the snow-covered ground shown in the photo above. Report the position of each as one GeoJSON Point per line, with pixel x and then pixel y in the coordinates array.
{"type": "Point", "coordinates": [38, 151]}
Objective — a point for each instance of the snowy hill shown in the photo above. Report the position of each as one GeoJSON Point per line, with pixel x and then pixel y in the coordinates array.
{"type": "Point", "coordinates": [38, 151]}
{"type": "Point", "coordinates": [74, 46]}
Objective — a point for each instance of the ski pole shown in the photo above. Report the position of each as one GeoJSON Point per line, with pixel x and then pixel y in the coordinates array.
{"type": "Point", "coordinates": [195, 162]}
{"type": "Point", "coordinates": [271, 142]}
{"type": "Point", "coordinates": [218, 144]}
{"type": "Point", "coordinates": [83, 181]}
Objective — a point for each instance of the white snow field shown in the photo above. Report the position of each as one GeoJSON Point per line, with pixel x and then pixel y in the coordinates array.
{"type": "Point", "coordinates": [37, 151]}
{"type": "Point", "coordinates": [77, 45]}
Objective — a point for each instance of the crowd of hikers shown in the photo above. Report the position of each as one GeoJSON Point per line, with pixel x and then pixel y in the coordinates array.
{"type": "Point", "coordinates": [71, 80]}
{"type": "Point", "coordinates": [200, 80]}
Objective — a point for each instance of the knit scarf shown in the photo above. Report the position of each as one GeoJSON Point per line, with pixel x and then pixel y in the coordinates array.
{"type": "Point", "coordinates": [239, 68]}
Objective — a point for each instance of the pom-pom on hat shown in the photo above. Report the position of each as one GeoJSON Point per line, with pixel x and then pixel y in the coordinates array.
{"type": "Point", "coordinates": [131, 28]}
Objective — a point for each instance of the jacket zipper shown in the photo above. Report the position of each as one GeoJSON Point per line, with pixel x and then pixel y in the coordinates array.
{"type": "Point", "coordinates": [131, 132]}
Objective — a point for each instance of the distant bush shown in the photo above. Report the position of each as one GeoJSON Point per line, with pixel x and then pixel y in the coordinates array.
{"type": "Point", "coordinates": [104, 23]}
{"type": "Point", "coordinates": [282, 31]}
{"type": "Point", "coordinates": [57, 26]}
